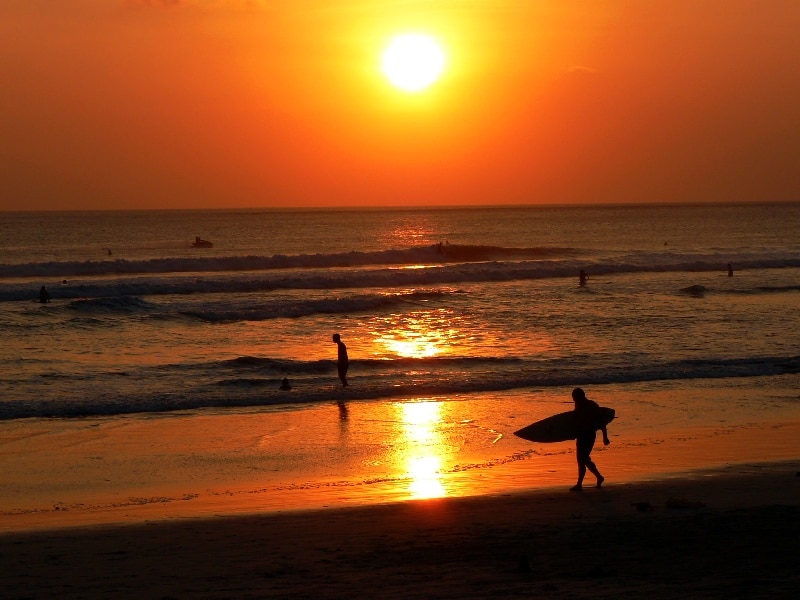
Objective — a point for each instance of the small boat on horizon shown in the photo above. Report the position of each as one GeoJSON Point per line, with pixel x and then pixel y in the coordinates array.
{"type": "Point", "coordinates": [201, 243]}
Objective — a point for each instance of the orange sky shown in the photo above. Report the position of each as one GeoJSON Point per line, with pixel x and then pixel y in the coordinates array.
{"type": "Point", "coordinates": [248, 103]}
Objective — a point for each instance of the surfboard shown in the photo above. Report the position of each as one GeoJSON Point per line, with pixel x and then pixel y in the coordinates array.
{"type": "Point", "coordinates": [561, 427]}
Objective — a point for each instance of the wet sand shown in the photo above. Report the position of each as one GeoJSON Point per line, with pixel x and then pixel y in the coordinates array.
{"type": "Point", "coordinates": [193, 506]}
{"type": "Point", "coordinates": [726, 533]}
{"type": "Point", "coordinates": [78, 472]}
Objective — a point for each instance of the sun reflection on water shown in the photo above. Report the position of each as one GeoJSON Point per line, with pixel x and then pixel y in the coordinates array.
{"type": "Point", "coordinates": [420, 334]}
{"type": "Point", "coordinates": [421, 422]}
{"type": "Point", "coordinates": [426, 481]}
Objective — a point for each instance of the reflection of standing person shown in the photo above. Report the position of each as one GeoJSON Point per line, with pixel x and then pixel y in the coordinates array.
{"type": "Point", "coordinates": [730, 270]}
{"type": "Point", "coordinates": [44, 296]}
{"type": "Point", "coordinates": [343, 362]}
{"type": "Point", "coordinates": [586, 412]}
{"type": "Point", "coordinates": [582, 278]}
{"type": "Point", "coordinates": [343, 412]}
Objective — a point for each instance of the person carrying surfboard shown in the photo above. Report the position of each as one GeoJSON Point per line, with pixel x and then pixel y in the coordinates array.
{"type": "Point", "coordinates": [586, 412]}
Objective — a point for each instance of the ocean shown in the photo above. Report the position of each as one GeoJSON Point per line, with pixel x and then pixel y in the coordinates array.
{"type": "Point", "coordinates": [435, 303]}
{"type": "Point", "coordinates": [151, 379]}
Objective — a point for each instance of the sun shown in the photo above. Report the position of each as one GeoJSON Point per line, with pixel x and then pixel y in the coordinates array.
{"type": "Point", "coordinates": [413, 62]}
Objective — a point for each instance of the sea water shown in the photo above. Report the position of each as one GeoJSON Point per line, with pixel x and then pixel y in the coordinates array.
{"type": "Point", "coordinates": [431, 303]}
{"type": "Point", "coordinates": [157, 363]}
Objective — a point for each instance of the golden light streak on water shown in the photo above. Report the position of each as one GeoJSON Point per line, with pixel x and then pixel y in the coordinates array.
{"type": "Point", "coordinates": [421, 422]}
{"type": "Point", "coordinates": [421, 334]}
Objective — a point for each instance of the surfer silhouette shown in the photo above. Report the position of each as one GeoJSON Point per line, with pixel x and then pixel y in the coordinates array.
{"type": "Point", "coordinates": [586, 411]}
{"type": "Point", "coordinates": [285, 385]}
{"type": "Point", "coordinates": [582, 278]}
{"type": "Point", "coordinates": [44, 295]}
{"type": "Point", "coordinates": [730, 270]}
{"type": "Point", "coordinates": [343, 362]}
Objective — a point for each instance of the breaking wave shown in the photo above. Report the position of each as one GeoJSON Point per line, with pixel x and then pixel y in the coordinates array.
{"type": "Point", "coordinates": [425, 266]}
{"type": "Point", "coordinates": [253, 382]}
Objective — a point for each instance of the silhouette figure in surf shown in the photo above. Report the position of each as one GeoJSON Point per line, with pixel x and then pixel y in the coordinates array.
{"type": "Point", "coordinates": [582, 278]}
{"type": "Point", "coordinates": [285, 384]}
{"type": "Point", "coordinates": [586, 411]}
{"type": "Point", "coordinates": [730, 270]}
{"type": "Point", "coordinates": [44, 295]}
{"type": "Point", "coordinates": [342, 362]}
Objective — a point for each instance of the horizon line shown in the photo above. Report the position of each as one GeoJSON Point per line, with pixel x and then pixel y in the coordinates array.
{"type": "Point", "coordinates": [397, 208]}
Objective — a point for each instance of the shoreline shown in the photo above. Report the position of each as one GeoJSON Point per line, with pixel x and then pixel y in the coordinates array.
{"type": "Point", "coordinates": [719, 533]}
{"type": "Point", "coordinates": [84, 497]}
{"type": "Point", "coordinates": [301, 504]}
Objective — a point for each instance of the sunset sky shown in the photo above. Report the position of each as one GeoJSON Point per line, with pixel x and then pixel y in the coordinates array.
{"type": "Point", "coordinates": [121, 104]}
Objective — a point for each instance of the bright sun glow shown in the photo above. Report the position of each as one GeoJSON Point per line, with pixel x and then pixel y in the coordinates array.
{"type": "Point", "coordinates": [419, 334]}
{"type": "Point", "coordinates": [413, 61]}
{"type": "Point", "coordinates": [422, 422]}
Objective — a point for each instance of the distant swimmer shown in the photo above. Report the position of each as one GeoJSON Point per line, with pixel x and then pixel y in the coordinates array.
{"type": "Point", "coordinates": [582, 278]}
{"type": "Point", "coordinates": [730, 270]}
{"type": "Point", "coordinates": [285, 384]}
{"type": "Point", "coordinates": [44, 295]}
{"type": "Point", "coordinates": [586, 411]}
{"type": "Point", "coordinates": [342, 362]}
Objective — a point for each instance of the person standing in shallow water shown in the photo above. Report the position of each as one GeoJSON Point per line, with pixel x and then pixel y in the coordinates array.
{"type": "Point", "coordinates": [343, 362]}
{"type": "Point", "coordinates": [586, 411]}
{"type": "Point", "coordinates": [582, 278]}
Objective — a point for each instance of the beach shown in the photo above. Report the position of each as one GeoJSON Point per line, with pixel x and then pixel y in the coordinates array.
{"type": "Point", "coordinates": [148, 450]}
{"type": "Point", "coordinates": [728, 533]}
{"type": "Point", "coordinates": [301, 300]}
{"type": "Point", "coordinates": [197, 464]}
{"type": "Point", "coordinates": [704, 514]}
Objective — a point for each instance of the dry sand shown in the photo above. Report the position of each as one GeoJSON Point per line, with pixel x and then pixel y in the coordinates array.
{"type": "Point", "coordinates": [729, 533]}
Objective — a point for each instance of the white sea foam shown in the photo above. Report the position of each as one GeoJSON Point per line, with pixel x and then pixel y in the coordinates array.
{"type": "Point", "coordinates": [250, 381]}
{"type": "Point", "coordinates": [218, 275]}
